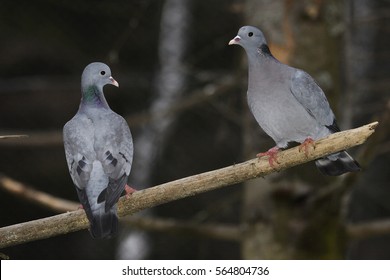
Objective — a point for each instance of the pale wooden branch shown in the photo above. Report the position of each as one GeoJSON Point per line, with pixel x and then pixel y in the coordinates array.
{"type": "Point", "coordinates": [189, 186]}
{"type": "Point", "coordinates": [46, 200]}
{"type": "Point", "coordinates": [368, 229]}
{"type": "Point", "coordinates": [60, 205]}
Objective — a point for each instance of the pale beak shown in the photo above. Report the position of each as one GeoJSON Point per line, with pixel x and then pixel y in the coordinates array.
{"type": "Point", "coordinates": [113, 82]}
{"type": "Point", "coordinates": [235, 40]}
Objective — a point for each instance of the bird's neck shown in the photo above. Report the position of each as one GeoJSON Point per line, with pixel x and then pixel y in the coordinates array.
{"type": "Point", "coordinates": [260, 56]}
{"type": "Point", "coordinates": [92, 96]}
{"type": "Point", "coordinates": [264, 51]}
{"type": "Point", "coordinates": [261, 65]}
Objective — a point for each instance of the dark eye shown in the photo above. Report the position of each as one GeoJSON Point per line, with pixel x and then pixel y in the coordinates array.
{"type": "Point", "coordinates": [103, 73]}
{"type": "Point", "coordinates": [250, 34]}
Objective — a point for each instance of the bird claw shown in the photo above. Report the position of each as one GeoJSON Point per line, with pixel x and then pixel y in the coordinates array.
{"type": "Point", "coordinates": [306, 145]}
{"type": "Point", "coordinates": [271, 154]}
{"type": "Point", "coordinates": [129, 191]}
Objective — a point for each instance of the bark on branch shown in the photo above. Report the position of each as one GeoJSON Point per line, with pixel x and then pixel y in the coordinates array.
{"type": "Point", "coordinates": [28, 193]}
{"type": "Point", "coordinates": [189, 186]}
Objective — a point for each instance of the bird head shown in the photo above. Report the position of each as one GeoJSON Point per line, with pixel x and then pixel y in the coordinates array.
{"type": "Point", "coordinates": [249, 37]}
{"type": "Point", "coordinates": [97, 74]}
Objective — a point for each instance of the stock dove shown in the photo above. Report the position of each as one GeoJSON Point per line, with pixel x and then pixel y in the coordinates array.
{"type": "Point", "coordinates": [288, 104]}
{"type": "Point", "coordinates": [99, 152]}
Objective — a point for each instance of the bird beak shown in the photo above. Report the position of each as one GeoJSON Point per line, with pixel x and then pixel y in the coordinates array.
{"type": "Point", "coordinates": [113, 82]}
{"type": "Point", "coordinates": [235, 40]}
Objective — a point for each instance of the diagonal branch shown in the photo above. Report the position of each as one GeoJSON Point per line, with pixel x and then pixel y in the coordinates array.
{"type": "Point", "coordinates": [26, 192]}
{"type": "Point", "coordinates": [189, 186]}
{"type": "Point", "coordinates": [167, 225]}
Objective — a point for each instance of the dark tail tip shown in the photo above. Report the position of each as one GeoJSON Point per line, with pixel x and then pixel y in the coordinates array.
{"type": "Point", "coordinates": [337, 164]}
{"type": "Point", "coordinates": [104, 225]}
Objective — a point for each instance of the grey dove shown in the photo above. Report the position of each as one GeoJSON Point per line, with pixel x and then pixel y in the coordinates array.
{"type": "Point", "coordinates": [288, 104]}
{"type": "Point", "coordinates": [99, 152]}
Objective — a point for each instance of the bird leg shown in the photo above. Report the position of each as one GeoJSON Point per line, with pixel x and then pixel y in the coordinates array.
{"type": "Point", "coordinates": [271, 153]}
{"type": "Point", "coordinates": [306, 145]}
{"type": "Point", "coordinates": [129, 191]}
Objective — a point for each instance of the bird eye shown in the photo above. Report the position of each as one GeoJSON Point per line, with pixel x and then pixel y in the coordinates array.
{"type": "Point", "coordinates": [103, 73]}
{"type": "Point", "coordinates": [250, 34]}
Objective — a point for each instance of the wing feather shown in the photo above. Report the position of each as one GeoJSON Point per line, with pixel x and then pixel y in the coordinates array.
{"type": "Point", "coordinates": [305, 89]}
{"type": "Point", "coordinates": [110, 143]}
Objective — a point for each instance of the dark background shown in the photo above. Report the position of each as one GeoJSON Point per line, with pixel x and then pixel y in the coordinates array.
{"type": "Point", "coordinates": [163, 54]}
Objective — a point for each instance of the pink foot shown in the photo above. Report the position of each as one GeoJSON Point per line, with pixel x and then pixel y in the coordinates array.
{"type": "Point", "coordinates": [271, 154]}
{"type": "Point", "coordinates": [306, 145]}
{"type": "Point", "coordinates": [129, 191]}
{"type": "Point", "coordinates": [80, 207]}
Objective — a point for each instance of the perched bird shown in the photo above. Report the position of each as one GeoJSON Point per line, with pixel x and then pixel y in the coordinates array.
{"type": "Point", "coordinates": [288, 104]}
{"type": "Point", "coordinates": [99, 152]}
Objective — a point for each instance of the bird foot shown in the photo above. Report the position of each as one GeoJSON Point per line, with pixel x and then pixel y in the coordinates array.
{"type": "Point", "coordinates": [129, 191]}
{"type": "Point", "coordinates": [271, 154]}
{"type": "Point", "coordinates": [306, 145]}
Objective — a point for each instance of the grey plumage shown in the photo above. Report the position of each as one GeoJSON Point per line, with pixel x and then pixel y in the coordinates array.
{"type": "Point", "coordinates": [287, 103]}
{"type": "Point", "coordinates": [99, 152]}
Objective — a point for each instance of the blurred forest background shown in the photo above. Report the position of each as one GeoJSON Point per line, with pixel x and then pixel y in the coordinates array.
{"type": "Point", "coordinates": [183, 93]}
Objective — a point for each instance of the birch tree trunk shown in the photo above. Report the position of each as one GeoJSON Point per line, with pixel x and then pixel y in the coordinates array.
{"type": "Point", "coordinates": [169, 85]}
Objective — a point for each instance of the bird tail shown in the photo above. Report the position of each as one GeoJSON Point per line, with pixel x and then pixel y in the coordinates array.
{"type": "Point", "coordinates": [104, 224]}
{"type": "Point", "coordinates": [337, 164]}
